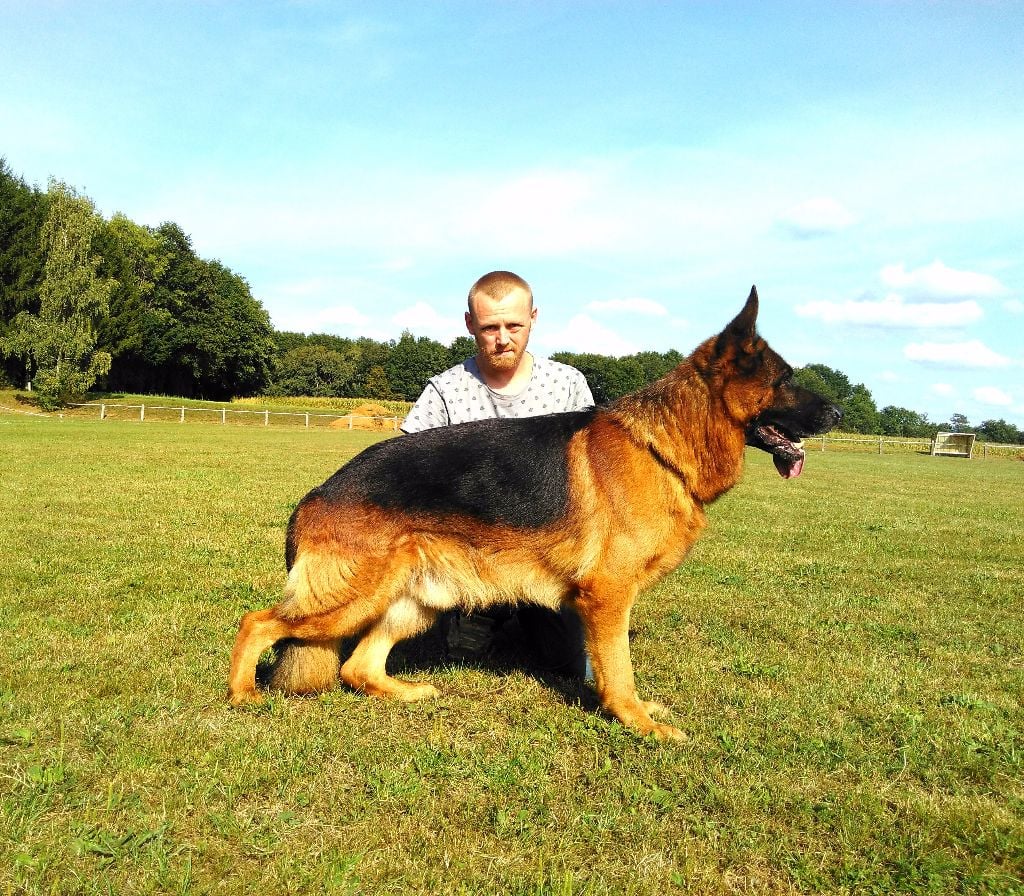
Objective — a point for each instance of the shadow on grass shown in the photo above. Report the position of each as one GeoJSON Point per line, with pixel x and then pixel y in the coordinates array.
{"type": "Point", "coordinates": [511, 647]}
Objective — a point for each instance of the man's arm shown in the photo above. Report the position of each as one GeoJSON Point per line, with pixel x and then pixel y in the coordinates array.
{"type": "Point", "coordinates": [581, 397]}
{"type": "Point", "coordinates": [428, 412]}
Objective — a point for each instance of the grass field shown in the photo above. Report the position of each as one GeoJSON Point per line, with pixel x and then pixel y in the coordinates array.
{"type": "Point", "coordinates": [845, 652]}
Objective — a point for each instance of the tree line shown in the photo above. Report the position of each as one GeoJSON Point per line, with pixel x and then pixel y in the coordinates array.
{"type": "Point", "coordinates": [89, 303]}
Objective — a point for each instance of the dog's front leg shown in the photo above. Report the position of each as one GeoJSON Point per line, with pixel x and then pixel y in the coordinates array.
{"type": "Point", "coordinates": [605, 616]}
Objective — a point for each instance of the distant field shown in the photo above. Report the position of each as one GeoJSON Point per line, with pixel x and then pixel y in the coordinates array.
{"type": "Point", "coordinates": [845, 652]}
{"type": "Point", "coordinates": [386, 416]}
{"type": "Point", "coordinates": [261, 411]}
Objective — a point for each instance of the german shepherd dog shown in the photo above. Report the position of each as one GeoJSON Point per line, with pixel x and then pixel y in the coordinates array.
{"type": "Point", "coordinates": [586, 507]}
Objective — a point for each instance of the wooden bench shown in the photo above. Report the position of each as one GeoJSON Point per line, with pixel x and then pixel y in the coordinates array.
{"type": "Point", "coordinates": [953, 444]}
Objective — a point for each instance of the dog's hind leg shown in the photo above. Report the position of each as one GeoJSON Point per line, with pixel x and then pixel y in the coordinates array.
{"type": "Point", "coordinates": [256, 632]}
{"type": "Point", "coordinates": [605, 616]}
{"type": "Point", "coordinates": [327, 597]}
{"type": "Point", "coordinates": [264, 628]}
{"type": "Point", "coordinates": [366, 669]}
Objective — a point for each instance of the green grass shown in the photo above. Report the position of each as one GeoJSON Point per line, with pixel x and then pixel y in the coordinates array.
{"type": "Point", "coordinates": [844, 651]}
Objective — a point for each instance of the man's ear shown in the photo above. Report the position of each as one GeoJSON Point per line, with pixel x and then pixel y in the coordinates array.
{"type": "Point", "coordinates": [469, 324]}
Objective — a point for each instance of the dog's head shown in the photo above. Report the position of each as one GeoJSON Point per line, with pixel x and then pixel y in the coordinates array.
{"type": "Point", "coordinates": [759, 393]}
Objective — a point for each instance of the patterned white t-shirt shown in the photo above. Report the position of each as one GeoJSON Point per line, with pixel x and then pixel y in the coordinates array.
{"type": "Point", "coordinates": [460, 395]}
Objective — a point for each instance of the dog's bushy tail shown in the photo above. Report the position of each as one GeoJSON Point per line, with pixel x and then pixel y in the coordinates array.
{"type": "Point", "coordinates": [305, 667]}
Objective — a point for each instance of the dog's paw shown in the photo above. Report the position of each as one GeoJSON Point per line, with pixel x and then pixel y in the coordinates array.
{"type": "Point", "coordinates": [654, 708]}
{"type": "Point", "coordinates": [667, 732]}
{"type": "Point", "coordinates": [245, 698]}
{"type": "Point", "coordinates": [413, 692]}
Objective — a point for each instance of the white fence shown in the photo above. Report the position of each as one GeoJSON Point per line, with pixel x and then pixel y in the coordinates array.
{"type": "Point", "coordinates": [181, 411]}
{"type": "Point", "coordinates": [352, 421]}
{"type": "Point", "coordinates": [925, 446]}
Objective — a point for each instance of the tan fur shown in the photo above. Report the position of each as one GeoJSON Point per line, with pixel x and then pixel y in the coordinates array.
{"type": "Point", "coordinates": [640, 474]}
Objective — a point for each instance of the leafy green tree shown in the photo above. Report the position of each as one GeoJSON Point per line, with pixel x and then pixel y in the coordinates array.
{"type": "Point", "coordinates": [860, 414]}
{"type": "Point", "coordinates": [201, 333]}
{"type": "Point", "coordinates": [959, 423]}
{"type": "Point", "coordinates": [311, 370]}
{"type": "Point", "coordinates": [135, 257]}
{"type": "Point", "coordinates": [375, 384]}
{"type": "Point", "coordinates": [59, 343]}
{"type": "Point", "coordinates": [1001, 432]}
{"type": "Point", "coordinates": [859, 411]}
{"type": "Point", "coordinates": [371, 379]}
{"type": "Point", "coordinates": [655, 365]}
{"type": "Point", "coordinates": [286, 340]}
{"type": "Point", "coordinates": [412, 362]}
{"type": "Point", "coordinates": [238, 344]}
{"type": "Point", "coordinates": [831, 384]}
{"type": "Point", "coordinates": [344, 346]}
{"type": "Point", "coordinates": [23, 211]}
{"type": "Point", "coordinates": [897, 421]}
{"type": "Point", "coordinates": [461, 347]}
{"type": "Point", "coordinates": [596, 369]}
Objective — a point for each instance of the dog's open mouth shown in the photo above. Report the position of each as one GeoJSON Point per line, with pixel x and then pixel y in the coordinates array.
{"type": "Point", "coordinates": [787, 453]}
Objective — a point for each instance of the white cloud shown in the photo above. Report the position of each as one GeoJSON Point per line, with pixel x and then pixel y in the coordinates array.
{"type": "Point", "coordinates": [892, 311]}
{"type": "Point", "coordinates": [422, 319]}
{"type": "Point", "coordinates": [584, 334]}
{"type": "Point", "coordinates": [1014, 306]}
{"type": "Point", "coordinates": [816, 217]}
{"type": "Point", "coordinates": [993, 395]}
{"type": "Point", "coordinates": [397, 214]}
{"type": "Point", "coordinates": [943, 389]}
{"type": "Point", "coordinates": [938, 282]}
{"type": "Point", "coordinates": [973, 353]}
{"type": "Point", "coordinates": [287, 315]}
{"type": "Point", "coordinates": [539, 212]}
{"type": "Point", "coordinates": [636, 305]}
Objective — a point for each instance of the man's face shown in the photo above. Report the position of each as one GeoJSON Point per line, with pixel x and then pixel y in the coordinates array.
{"type": "Point", "coordinates": [501, 328]}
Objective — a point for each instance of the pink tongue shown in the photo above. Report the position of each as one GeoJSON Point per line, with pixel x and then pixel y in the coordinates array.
{"type": "Point", "coordinates": [788, 469]}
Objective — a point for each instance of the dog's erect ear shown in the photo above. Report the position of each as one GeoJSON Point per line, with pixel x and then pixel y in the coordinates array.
{"type": "Point", "coordinates": [742, 329]}
{"type": "Point", "coordinates": [744, 324]}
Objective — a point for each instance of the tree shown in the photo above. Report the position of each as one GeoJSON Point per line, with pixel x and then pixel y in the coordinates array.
{"type": "Point", "coordinates": [412, 362]}
{"type": "Point", "coordinates": [1001, 432]}
{"type": "Point", "coordinates": [311, 370]}
{"type": "Point", "coordinates": [897, 421]}
{"type": "Point", "coordinates": [859, 411]}
{"type": "Point", "coordinates": [826, 382]}
{"type": "Point", "coordinates": [375, 384]}
{"type": "Point", "coordinates": [959, 423]}
{"type": "Point", "coordinates": [371, 377]}
{"type": "Point", "coordinates": [135, 257]}
{"type": "Point", "coordinates": [461, 347]}
{"type": "Point", "coordinates": [655, 365]}
{"type": "Point", "coordinates": [238, 343]}
{"type": "Point", "coordinates": [59, 343]}
{"type": "Point", "coordinates": [598, 371]}
{"type": "Point", "coordinates": [200, 331]}
{"type": "Point", "coordinates": [23, 212]}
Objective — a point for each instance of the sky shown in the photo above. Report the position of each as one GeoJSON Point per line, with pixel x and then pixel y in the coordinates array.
{"type": "Point", "coordinates": [640, 164]}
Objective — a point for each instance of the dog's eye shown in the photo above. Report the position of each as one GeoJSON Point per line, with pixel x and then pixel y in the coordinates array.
{"type": "Point", "coordinates": [783, 378]}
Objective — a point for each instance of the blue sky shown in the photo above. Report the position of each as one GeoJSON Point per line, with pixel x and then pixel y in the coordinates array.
{"type": "Point", "coordinates": [641, 164]}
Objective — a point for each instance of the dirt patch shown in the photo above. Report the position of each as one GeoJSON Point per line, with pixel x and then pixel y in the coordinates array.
{"type": "Point", "coordinates": [368, 416]}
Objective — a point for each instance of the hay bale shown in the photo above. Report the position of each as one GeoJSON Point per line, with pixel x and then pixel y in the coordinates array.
{"type": "Point", "coordinates": [368, 416]}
